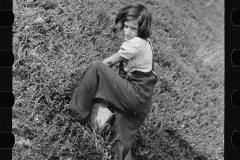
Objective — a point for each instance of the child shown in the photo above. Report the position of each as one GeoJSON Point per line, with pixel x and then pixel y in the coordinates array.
{"type": "Point", "coordinates": [130, 90]}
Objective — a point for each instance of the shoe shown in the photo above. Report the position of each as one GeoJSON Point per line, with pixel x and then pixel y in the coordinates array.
{"type": "Point", "coordinates": [106, 126]}
{"type": "Point", "coordinates": [101, 117]}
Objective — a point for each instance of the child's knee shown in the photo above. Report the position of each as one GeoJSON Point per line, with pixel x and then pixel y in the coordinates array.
{"type": "Point", "coordinates": [97, 65]}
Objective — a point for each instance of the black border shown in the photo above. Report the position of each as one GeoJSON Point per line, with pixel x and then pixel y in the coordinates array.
{"type": "Point", "coordinates": [232, 79]}
{"type": "Point", "coordinates": [7, 99]}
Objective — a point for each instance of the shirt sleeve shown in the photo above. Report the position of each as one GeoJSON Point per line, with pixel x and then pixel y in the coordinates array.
{"type": "Point", "coordinates": [130, 48]}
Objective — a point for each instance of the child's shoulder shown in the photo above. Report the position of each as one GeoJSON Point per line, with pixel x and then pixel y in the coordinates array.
{"type": "Point", "coordinates": [136, 41]}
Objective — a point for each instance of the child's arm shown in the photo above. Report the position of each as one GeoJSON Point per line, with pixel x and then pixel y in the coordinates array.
{"type": "Point", "coordinates": [112, 60]}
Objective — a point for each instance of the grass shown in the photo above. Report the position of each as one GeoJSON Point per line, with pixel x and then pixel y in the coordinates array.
{"type": "Point", "coordinates": [55, 41]}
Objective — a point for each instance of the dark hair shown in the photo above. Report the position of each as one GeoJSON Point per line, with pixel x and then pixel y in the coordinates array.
{"type": "Point", "coordinates": [135, 12]}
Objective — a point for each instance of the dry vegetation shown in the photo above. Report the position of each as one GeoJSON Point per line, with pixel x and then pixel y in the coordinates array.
{"type": "Point", "coordinates": [55, 40]}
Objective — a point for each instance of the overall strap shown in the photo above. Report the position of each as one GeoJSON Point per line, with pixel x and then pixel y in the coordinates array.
{"type": "Point", "coordinates": [152, 53]}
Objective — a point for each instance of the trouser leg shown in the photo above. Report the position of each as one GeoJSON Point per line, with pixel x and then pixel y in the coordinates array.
{"type": "Point", "coordinates": [80, 104]}
{"type": "Point", "coordinates": [125, 129]}
{"type": "Point", "coordinates": [98, 81]}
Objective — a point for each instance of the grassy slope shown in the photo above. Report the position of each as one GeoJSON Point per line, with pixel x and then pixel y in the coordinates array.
{"type": "Point", "coordinates": [54, 41]}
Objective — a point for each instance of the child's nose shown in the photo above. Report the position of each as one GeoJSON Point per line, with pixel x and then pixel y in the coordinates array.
{"type": "Point", "coordinates": [127, 31]}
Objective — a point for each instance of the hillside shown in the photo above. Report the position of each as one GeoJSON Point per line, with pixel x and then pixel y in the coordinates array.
{"type": "Point", "coordinates": [54, 42]}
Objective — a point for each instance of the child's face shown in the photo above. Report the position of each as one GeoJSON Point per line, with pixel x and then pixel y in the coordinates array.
{"type": "Point", "coordinates": [130, 29]}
